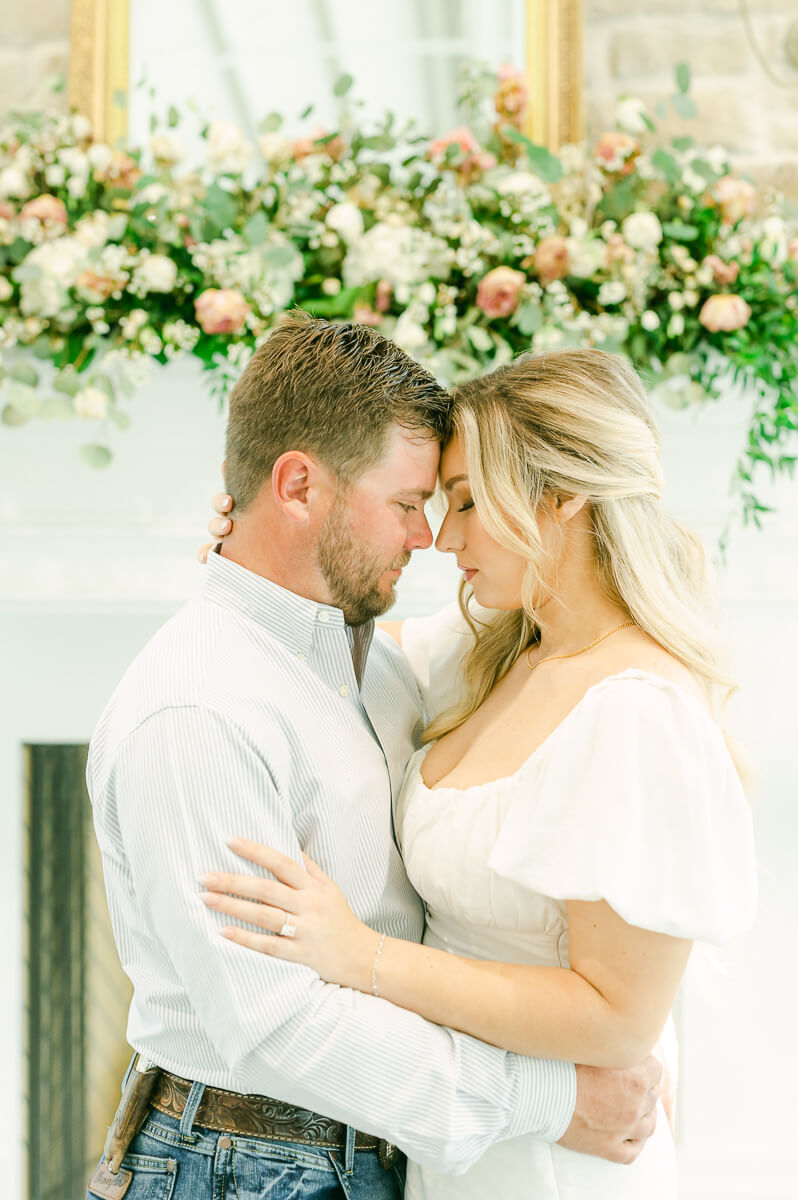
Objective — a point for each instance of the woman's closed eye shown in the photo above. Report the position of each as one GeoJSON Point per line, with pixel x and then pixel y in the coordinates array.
{"type": "Point", "coordinates": [466, 505]}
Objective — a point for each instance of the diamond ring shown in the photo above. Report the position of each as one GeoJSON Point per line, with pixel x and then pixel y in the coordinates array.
{"type": "Point", "coordinates": [288, 930]}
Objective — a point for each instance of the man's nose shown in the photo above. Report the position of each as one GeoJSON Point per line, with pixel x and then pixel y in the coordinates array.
{"type": "Point", "coordinates": [419, 535]}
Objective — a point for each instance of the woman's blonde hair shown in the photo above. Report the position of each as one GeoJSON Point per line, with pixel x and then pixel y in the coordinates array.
{"type": "Point", "coordinates": [578, 423]}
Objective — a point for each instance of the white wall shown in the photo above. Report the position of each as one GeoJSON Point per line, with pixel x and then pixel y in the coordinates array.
{"type": "Point", "coordinates": [94, 562]}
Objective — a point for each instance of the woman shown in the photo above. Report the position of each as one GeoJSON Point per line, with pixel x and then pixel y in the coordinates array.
{"type": "Point", "coordinates": [574, 819]}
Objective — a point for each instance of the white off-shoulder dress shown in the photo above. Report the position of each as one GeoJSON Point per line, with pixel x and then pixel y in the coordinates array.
{"type": "Point", "coordinates": [633, 799]}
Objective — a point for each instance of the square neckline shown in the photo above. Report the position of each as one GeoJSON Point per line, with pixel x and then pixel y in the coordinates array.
{"type": "Point", "coordinates": [629, 672]}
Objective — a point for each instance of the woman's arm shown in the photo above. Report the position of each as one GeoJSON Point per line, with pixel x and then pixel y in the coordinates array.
{"type": "Point", "coordinates": [606, 1010]}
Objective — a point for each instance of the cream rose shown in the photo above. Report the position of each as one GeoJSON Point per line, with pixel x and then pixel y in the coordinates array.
{"type": "Point", "coordinates": [736, 198]}
{"type": "Point", "coordinates": [221, 310]}
{"type": "Point", "coordinates": [498, 291]}
{"type": "Point", "coordinates": [155, 273]}
{"type": "Point", "coordinates": [346, 220]}
{"type": "Point", "coordinates": [91, 404]}
{"type": "Point", "coordinates": [724, 313]}
{"type": "Point", "coordinates": [723, 273]}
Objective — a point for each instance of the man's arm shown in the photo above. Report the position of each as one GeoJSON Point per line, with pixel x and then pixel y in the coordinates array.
{"type": "Point", "coordinates": [186, 780]}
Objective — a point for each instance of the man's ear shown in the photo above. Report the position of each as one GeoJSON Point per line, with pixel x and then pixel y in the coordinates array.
{"type": "Point", "coordinates": [297, 481]}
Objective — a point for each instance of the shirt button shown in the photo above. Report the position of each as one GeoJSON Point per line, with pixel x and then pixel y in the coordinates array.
{"type": "Point", "coordinates": [324, 617]}
{"type": "Point", "coordinates": [343, 690]}
{"type": "Point", "coordinates": [300, 656]}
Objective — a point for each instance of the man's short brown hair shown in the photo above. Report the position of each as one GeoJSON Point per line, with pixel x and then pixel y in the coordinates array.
{"type": "Point", "coordinates": [330, 390]}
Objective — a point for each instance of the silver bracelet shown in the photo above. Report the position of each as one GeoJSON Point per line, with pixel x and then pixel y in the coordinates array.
{"type": "Point", "coordinates": [374, 966]}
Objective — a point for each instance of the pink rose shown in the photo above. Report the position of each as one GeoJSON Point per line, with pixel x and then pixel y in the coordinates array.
{"type": "Point", "coordinates": [616, 151]}
{"type": "Point", "coordinates": [724, 273]}
{"type": "Point", "coordinates": [792, 250]}
{"type": "Point", "coordinates": [618, 250]}
{"type": "Point", "coordinates": [473, 165]}
{"type": "Point", "coordinates": [735, 197]}
{"type": "Point", "coordinates": [45, 209]}
{"type": "Point", "coordinates": [122, 171]}
{"type": "Point", "coordinates": [384, 295]}
{"type": "Point", "coordinates": [724, 313]}
{"type": "Point", "coordinates": [221, 310]}
{"type": "Point", "coordinates": [462, 137]}
{"type": "Point", "coordinates": [6, 210]}
{"type": "Point", "coordinates": [498, 291]}
{"type": "Point", "coordinates": [364, 315]}
{"type": "Point", "coordinates": [304, 146]}
{"type": "Point", "coordinates": [510, 98]}
{"type": "Point", "coordinates": [551, 259]}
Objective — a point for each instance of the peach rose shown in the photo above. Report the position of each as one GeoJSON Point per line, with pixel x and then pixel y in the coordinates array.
{"type": "Point", "coordinates": [95, 286]}
{"type": "Point", "coordinates": [45, 209]}
{"type": "Point", "coordinates": [616, 151]}
{"type": "Point", "coordinates": [724, 313]}
{"type": "Point", "coordinates": [384, 295]}
{"type": "Point", "coordinates": [6, 211]}
{"type": "Point", "coordinates": [551, 259]}
{"type": "Point", "coordinates": [461, 136]}
{"type": "Point", "coordinates": [498, 291]}
{"type": "Point", "coordinates": [618, 250]}
{"type": "Point", "coordinates": [735, 197]}
{"type": "Point", "coordinates": [221, 310]}
{"type": "Point", "coordinates": [792, 250]}
{"type": "Point", "coordinates": [364, 315]}
{"type": "Point", "coordinates": [304, 146]}
{"type": "Point", "coordinates": [510, 98]}
{"type": "Point", "coordinates": [724, 273]}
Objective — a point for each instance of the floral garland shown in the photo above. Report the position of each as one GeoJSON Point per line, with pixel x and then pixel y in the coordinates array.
{"type": "Point", "coordinates": [466, 250]}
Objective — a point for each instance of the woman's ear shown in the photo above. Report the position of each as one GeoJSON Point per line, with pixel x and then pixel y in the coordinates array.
{"type": "Point", "coordinates": [566, 507]}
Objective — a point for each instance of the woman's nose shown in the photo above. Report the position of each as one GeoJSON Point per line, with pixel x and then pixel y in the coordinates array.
{"type": "Point", "coordinates": [448, 541]}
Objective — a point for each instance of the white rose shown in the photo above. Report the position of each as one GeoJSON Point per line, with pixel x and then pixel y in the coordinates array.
{"type": "Point", "coordinates": [585, 256]}
{"type": "Point", "coordinates": [6, 290]}
{"type": "Point", "coordinates": [346, 220]}
{"type": "Point", "coordinates": [75, 161]}
{"type": "Point", "coordinates": [14, 183]}
{"type": "Point", "coordinates": [156, 273]}
{"type": "Point", "coordinates": [612, 292]}
{"type": "Point", "coordinates": [650, 321]}
{"type": "Point", "coordinates": [76, 186]}
{"type": "Point", "coordinates": [426, 293]}
{"type": "Point", "coordinates": [62, 259]}
{"type": "Point", "coordinates": [92, 230]}
{"type": "Point", "coordinates": [774, 246]}
{"type": "Point", "coordinates": [676, 301]}
{"type": "Point", "coordinates": [676, 325]}
{"type": "Point", "coordinates": [55, 175]}
{"type": "Point", "coordinates": [630, 115]}
{"type": "Point", "coordinates": [408, 334]}
{"type": "Point", "coordinates": [131, 324]}
{"type": "Point", "coordinates": [81, 126]}
{"type": "Point", "coordinates": [274, 147]}
{"type": "Point", "coordinates": [642, 230]}
{"type": "Point", "coordinates": [521, 183]}
{"type": "Point", "coordinates": [331, 287]}
{"type": "Point", "coordinates": [100, 157]}
{"type": "Point", "coordinates": [228, 149]}
{"type": "Point", "coordinates": [91, 404]}
{"type": "Point", "coordinates": [167, 148]}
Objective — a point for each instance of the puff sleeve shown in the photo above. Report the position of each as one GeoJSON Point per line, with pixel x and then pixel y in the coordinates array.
{"type": "Point", "coordinates": [635, 800]}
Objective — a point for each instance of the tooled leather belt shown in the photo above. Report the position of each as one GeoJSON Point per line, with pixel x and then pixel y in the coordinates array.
{"type": "Point", "coordinates": [262, 1117]}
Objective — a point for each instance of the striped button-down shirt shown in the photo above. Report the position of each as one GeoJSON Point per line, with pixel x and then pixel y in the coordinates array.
{"type": "Point", "coordinates": [245, 715]}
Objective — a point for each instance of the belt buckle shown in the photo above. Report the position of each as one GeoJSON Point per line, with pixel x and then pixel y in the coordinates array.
{"type": "Point", "coordinates": [387, 1154]}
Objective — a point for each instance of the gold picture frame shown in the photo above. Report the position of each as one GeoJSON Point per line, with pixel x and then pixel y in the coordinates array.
{"type": "Point", "coordinates": [100, 64]}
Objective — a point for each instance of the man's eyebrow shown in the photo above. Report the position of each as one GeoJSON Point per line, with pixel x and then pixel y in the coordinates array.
{"type": "Point", "coordinates": [415, 494]}
{"type": "Point", "coordinates": [447, 487]}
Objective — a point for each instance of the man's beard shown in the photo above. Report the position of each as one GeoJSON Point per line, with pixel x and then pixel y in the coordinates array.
{"type": "Point", "coordinates": [351, 572]}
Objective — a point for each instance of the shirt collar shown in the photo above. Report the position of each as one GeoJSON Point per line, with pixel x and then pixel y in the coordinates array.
{"type": "Point", "coordinates": [290, 618]}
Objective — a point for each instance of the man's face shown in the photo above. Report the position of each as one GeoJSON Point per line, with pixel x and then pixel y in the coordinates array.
{"type": "Point", "coordinates": [373, 525]}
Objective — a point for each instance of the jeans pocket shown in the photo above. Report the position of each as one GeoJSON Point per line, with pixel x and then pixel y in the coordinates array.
{"type": "Point", "coordinates": [147, 1178]}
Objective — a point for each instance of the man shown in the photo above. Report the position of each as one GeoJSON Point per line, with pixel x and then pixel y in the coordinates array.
{"type": "Point", "coordinates": [268, 709]}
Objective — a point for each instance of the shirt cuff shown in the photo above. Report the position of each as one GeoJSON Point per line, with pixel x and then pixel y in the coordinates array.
{"type": "Point", "coordinates": [546, 1099]}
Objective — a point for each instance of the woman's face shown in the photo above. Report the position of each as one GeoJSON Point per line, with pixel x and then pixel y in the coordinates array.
{"type": "Point", "coordinates": [495, 573]}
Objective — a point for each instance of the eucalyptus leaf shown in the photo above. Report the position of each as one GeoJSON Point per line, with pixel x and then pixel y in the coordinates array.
{"type": "Point", "coordinates": [119, 98]}
{"type": "Point", "coordinates": [56, 408]}
{"type": "Point", "coordinates": [220, 207]}
{"type": "Point", "coordinates": [279, 256]}
{"type": "Point", "coordinates": [119, 418]}
{"type": "Point", "coordinates": [667, 164]}
{"type": "Point", "coordinates": [528, 319]}
{"type": "Point", "coordinates": [683, 105]}
{"type": "Point", "coordinates": [680, 231]}
{"type": "Point", "coordinates": [68, 383]}
{"type": "Point", "coordinates": [342, 85]}
{"type": "Point", "coordinates": [95, 455]}
{"type": "Point", "coordinates": [26, 272]}
{"type": "Point", "coordinates": [544, 164]}
{"type": "Point", "coordinates": [23, 372]}
{"type": "Point", "coordinates": [683, 77]}
{"type": "Point", "coordinates": [23, 398]}
{"type": "Point", "coordinates": [270, 123]}
{"type": "Point", "coordinates": [480, 339]}
{"type": "Point", "coordinates": [256, 229]}
{"type": "Point", "coordinates": [173, 117]}
{"type": "Point", "coordinates": [12, 416]}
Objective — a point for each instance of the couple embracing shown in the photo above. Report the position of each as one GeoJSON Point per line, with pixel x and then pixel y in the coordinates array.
{"type": "Point", "coordinates": [377, 899]}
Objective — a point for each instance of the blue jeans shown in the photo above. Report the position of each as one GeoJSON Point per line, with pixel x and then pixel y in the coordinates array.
{"type": "Point", "coordinates": [200, 1164]}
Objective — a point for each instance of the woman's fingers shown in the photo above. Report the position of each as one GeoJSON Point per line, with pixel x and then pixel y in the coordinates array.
{"type": "Point", "coordinates": [219, 527]}
{"type": "Point", "coordinates": [315, 870]}
{"type": "Point", "coordinates": [254, 913]}
{"type": "Point", "coordinates": [204, 551]}
{"type": "Point", "coordinates": [264, 943]}
{"type": "Point", "coordinates": [280, 865]}
{"type": "Point", "coordinates": [252, 887]}
{"type": "Point", "coordinates": [222, 503]}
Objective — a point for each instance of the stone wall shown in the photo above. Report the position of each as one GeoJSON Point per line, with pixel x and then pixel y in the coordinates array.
{"type": "Point", "coordinates": [633, 46]}
{"type": "Point", "coordinates": [34, 51]}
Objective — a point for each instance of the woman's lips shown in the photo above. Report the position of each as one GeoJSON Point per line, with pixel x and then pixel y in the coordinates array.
{"type": "Point", "coordinates": [469, 573]}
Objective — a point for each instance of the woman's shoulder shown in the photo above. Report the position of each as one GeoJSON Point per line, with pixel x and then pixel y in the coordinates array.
{"type": "Point", "coordinates": [641, 661]}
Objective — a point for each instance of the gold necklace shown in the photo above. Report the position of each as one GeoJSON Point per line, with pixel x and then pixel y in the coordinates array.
{"type": "Point", "coordinates": [573, 654]}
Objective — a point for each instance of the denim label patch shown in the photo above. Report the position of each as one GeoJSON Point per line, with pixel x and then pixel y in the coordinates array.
{"type": "Point", "coordinates": [108, 1186]}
